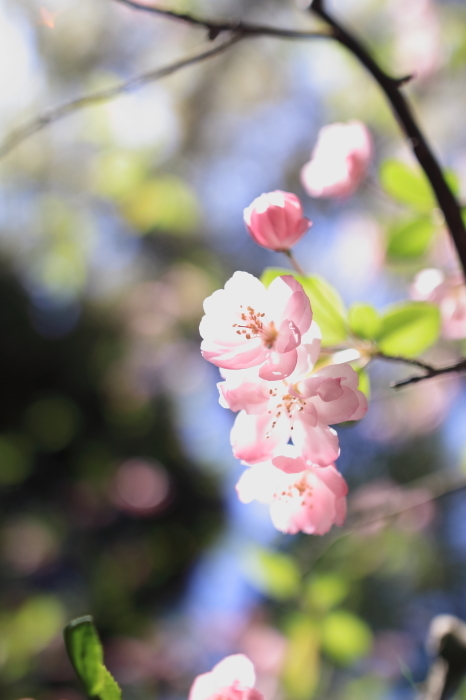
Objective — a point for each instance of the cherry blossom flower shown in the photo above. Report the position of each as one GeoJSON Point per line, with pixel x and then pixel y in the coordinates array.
{"type": "Point", "coordinates": [310, 500]}
{"type": "Point", "coordinates": [449, 293]}
{"type": "Point", "coordinates": [339, 160]}
{"type": "Point", "coordinates": [231, 679]}
{"type": "Point", "coordinates": [270, 413]}
{"type": "Point", "coordinates": [246, 325]}
{"type": "Point", "coordinates": [275, 220]}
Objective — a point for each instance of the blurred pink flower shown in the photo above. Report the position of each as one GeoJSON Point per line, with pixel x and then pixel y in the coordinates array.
{"type": "Point", "coordinates": [231, 679]}
{"type": "Point", "coordinates": [310, 500]}
{"type": "Point", "coordinates": [273, 412]}
{"type": "Point", "coordinates": [449, 293]}
{"type": "Point", "coordinates": [418, 41]}
{"type": "Point", "coordinates": [246, 325]}
{"type": "Point", "coordinates": [339, 160]}
{"type": "Point", "coordinates": [275, 220]}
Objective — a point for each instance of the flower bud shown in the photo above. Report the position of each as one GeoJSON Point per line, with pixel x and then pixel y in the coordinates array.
{"type": "Point", "coordinates": [275, 220]}
{"type": "Point", "coordinates": [339, 160]}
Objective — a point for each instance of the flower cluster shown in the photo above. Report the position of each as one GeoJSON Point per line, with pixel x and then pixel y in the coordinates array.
{"type": "Point", "coordinates": [267, 345]}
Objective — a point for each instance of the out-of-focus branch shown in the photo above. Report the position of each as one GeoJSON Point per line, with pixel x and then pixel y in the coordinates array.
{"type": "Point", "coordinates": [214, 28]}
{"type": "Point", "coordinates": [447, 640]}
{"type": "Point", "coordinates": [420, 147]}
{"type": "Point", "coordinates": [429, 370]}
{"type": "Point", "coordinates": [417, 493]}
{"type": "Point", "coordinates": [52, 115]}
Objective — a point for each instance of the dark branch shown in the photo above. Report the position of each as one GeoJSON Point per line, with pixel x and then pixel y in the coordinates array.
{"type": "Point", "coordinates": [429, 370]}
{"type": "Point", "coordinates": [433, 372]}
{"type": "Point", "coordinates": [421, 149]}
{"type": "Point", "coordinates": [214, 28]}
{"type": "Point", "coordinates": [56, 113]}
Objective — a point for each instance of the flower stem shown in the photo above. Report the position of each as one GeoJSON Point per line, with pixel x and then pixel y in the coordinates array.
{"type": "Point", "coordinates": [294, 262]}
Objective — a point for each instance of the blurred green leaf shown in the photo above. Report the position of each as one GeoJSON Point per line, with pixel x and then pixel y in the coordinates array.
{"type": "Point", "coordinates": [364, 321]}
{"type": "Point", "coordinates": [15, 458]}
{"type": "Point", "coordinates": [164, 203]}
{"type": "Point", "coordinates": [407, 185]}
{"type": "Point", "coordinates": [411, 239]}
{"type": "Point", "coordinates": [273, 573]}
{"type": "Point", "coordinates": [53, 421]}
{"type": "Point", "coordinates": [302, 663]}
{"type": "Point", "coordinates": [34, 626]}
{"type": "Point", "coordinates": [325, 591]}
{"type": "Point", "coordinates": [85, 652]}
{"type": "Point", "coordinates": [364, 383]}
{"type": "Point", "coordinates": [327, 305]}
{"type": "Point", "coordinates": [345, 637]}
{"type": "Point", "coordinates": [409, 329]}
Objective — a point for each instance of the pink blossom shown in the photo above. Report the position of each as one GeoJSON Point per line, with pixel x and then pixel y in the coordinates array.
{"type": "Point", "coordinates": [270, 413]}
{"type": "Point", "coordinates": [449, 293]}
{"type": "Point", "coordinates": [310, 500]}
{"type": "Point", "coordinates": [275, 220]}
{"type": "Point", "coordinates": [246, 325]}
{"type": "Point", "coordinates": [339, 160]}
{"type": "Point", "coordinates": [231, 679]}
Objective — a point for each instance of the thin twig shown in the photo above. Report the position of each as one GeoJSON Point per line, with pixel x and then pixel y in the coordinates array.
{"type": "Point", "coordinates": [458, 367]}
{"type": "Point", "coordinates": [56, 113]}
{"type": "Point", "coordinates": [420, 147]}
{"type": "Point", "coordinates": [214, 27]}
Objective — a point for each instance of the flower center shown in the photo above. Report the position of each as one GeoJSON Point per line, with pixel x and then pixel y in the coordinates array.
{"type": "Point", "coordinates": [291, 403]}
{"type": "Point", "coordinates": [253, 326]}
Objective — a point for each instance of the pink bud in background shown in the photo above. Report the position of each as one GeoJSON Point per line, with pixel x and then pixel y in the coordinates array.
{"type": "Point", "coordinates": [339, 160]}
{"type": "Point", "coordinates": [275, 220]}
{"type": "Point", "coordinates": [449, 293]}
{"type": "Point", "coordinates": [233, 678]}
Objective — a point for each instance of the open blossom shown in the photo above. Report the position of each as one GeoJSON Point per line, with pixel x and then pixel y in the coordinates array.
{"type": "Point", "coordinates": [231, 679]}
{"type": "Point", "coordinates": [300, 408]}
{"type": "Point", "coordinates": [310, 500]}
{"type": "Point", "coordinates": [449, 293]}
{"type": "Point", "coordinates": [275, 220]}
{"type": "Point", "coordinates": [339, 160]}
{"type": "Point", "coordinates": [246, 325]}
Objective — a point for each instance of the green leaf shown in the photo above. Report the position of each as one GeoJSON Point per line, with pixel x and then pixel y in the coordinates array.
{"type": "Point", "coordinates": [325, 591]}
{"type": "Point", "coordinates": [301, 668]}
{"type": "Point", "coordinates": [273, 573]}
{"type": "Point", "coordinates": [85, 652]}
{"type": "Point", "coordinates": [407, 185]}
{"type": "Point", "coordinates": [345, 637]}
{"type": "Point", "coordinates": [411, 239]}
{"type": "Point", "coordinates": [409, 329]}
{"type": "Point", "coordinates": [364, 321]}
{"type": "Point", "coordinates": [327, 305]}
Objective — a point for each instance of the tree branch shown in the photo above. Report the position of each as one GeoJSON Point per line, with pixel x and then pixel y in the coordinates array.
{"type": "Point", "coordinates": [214, 28]}
{"type": "Point", "coordinates": [52, 115]}
{"type": "Point", "coordinates": [429, 370]}
{"type": "Point", "coordinates": [420, 147]}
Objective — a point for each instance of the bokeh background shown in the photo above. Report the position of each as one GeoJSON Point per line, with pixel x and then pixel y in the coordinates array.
{"type": "Point", "coordinates": [116, 476]}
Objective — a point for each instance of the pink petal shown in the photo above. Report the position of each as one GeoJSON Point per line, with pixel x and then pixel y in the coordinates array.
{"type": "Point", "coordinates": [248, 396]}
{"type": "Point", "coordinates": [289, 337]}
{"type": "Point", "coordinates": [202, 687]}
{"type": "Point", "coordinates": [339, 410]}
{"type": "Point", "coordinates": [317, 444]}
{"type": "Point", "coordinates": [234, 669]}
{"type": "Point", "coordinates": [278, 366]}
{"type": "Point", "coordinates": [254, 438]}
